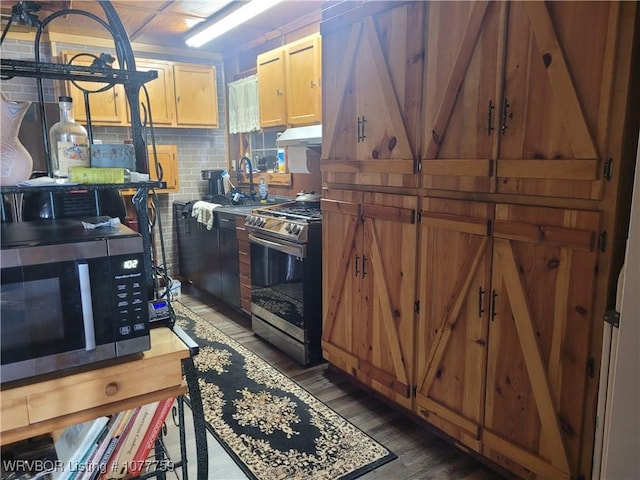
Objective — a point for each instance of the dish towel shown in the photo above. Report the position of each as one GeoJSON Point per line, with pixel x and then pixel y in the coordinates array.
{"type": "Point", "coordinates": [203, 212]}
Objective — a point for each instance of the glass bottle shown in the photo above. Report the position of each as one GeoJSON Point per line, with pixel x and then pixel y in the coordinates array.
{"type": "Point", "coordinates": [68, 141]}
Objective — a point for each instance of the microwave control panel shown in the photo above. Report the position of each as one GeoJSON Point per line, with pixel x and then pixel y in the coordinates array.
{"type": "Point", "coordinates": [130, 294]}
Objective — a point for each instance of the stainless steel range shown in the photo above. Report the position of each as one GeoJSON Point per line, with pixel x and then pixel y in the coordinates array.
{"type": "Point", "coordinates": [286, 277]}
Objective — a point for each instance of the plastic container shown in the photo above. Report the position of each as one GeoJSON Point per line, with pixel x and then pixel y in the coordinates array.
{"type": "Point", "coordinates": [175, 290]}
{"type": "Point", "coordinates": [262, 190]}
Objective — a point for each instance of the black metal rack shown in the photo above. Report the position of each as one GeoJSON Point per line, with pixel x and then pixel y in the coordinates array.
{"type": "Point", "coordinates": [133, 81]}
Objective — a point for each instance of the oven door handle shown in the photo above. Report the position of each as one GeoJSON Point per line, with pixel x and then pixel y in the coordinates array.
{"type": "Point", "coordinates": [295, 250]}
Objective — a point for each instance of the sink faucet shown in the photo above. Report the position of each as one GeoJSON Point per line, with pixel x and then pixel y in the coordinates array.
{"type": "Point", "coordinates": [245, 162]}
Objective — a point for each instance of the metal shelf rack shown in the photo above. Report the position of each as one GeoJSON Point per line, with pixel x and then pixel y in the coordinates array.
{"type": "Point", "coordinates": [133, 81]}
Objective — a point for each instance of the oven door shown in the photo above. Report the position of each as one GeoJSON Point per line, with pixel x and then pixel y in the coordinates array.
{"type": "Point", "coordinates": [278, 270]}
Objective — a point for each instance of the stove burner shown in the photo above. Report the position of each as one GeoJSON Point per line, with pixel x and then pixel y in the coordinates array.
{"type": "Point", "coordinates": [292, 210]}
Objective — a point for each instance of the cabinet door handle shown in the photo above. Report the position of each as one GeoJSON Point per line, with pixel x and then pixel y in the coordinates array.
{"type": "Point", "coordinates": [361, 124]}
{"type": "Point", "coordinates": [278, 93]}
{"type": "Point", "coordinates": [494, 295]}
{"type": "Point", "coordinates": [480, 298]}
{"type": "Point", "coordinates": [505, 109]}
{"type": "Point", "coordinates": [356, 269]}
{"type": "Point", "coordinates": [364, 266]}
{"type": "Point", "coordinates": [313, 84]}
{"type": "Point", "coordinates": [490, 118]}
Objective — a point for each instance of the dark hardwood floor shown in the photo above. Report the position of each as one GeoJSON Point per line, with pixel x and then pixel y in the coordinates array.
{"type": "Point", "coordinates": [421, 453]}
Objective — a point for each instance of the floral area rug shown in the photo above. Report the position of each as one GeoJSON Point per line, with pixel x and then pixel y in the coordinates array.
{"type": "Point", "coordinates": [272, 427]}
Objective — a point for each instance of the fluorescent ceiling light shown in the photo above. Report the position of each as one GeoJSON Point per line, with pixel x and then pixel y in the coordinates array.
{"type": "Point", "coordinates": [235, 18]}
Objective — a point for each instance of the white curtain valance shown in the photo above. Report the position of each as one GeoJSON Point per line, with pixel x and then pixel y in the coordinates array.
{"type": "Point", "coordinates": [244, 114]}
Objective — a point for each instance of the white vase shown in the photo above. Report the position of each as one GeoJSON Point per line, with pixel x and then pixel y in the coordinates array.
{"type": "Point", "coordinates": [16, 163]}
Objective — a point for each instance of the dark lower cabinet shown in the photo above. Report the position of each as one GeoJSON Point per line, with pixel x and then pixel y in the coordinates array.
{"type": "Point", "coordinates": [209, 258]}
{"type": "Point", "coordinates": [229, 264]}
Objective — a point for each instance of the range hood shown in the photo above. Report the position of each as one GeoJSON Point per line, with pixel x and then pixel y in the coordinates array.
{"type": "Point", "coordinates": [301, 136]}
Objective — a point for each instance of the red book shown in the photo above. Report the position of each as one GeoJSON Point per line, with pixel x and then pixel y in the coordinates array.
{"type": "Point", "coordinates": [160, 415]}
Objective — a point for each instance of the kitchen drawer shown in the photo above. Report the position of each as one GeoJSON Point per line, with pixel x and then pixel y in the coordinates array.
{"type": "Point", "coordinates": [244, 252]}
{"type": "Point", "coordinates": [245, 298]}
{"type": "Point", "coordinates": [102, 389]}
{"type": "Point", "coordinates": [245, 271]}
{"type": "Point", "coordinates": [106, 388]}
{"type": "Point", "coordinates": [242, 234]}
{"type": "Point", "coordinates": [15, 413]}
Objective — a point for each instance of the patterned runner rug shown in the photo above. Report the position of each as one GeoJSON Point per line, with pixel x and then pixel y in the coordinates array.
{"type": "Point", "coordinates": [271, 426]}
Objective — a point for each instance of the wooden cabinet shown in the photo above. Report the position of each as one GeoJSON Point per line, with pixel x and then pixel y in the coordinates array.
{"type": "Point", "coordinates": [497, 122]}
{"type": "Point", "coordinates": [196, 95]}
{"type": "Point", "coordinates": [304, 85]}
{"type": "Point", "coordinates": [106, 107]}
{"type": "Point", "coordinates": [272, 88]}
{"type": "Point", "coordinates": [244, 258]}
{"type": "Point", "coordinates": [521, 105]}
{"type": "Point", "coordinates": [289, 84]}
{"type": "Point", "coordinates": [167, 167]}
{"type": "Point", "coordinates": [506, 307]}
{"type": "Point", "coordinates": [166, 170]}
{"type": "Point", "coordinates": [372, 69]}
{"type": "Point", "coordinates": [369, 277]}
{"type": "Point", "coordinates": [183, 95]}
{"type": "Point", "coordinates": [161, 94]}
{"type": "Point", "coordinates": [452, 328]}
{"type": "Point", "coordinates": [542, 296]}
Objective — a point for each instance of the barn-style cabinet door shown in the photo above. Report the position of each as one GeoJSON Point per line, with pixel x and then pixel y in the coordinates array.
{"type": "Point", "coordinates": [369, 274]}
{"type": "Point", "coordinates": [451, 335]}
{"type": "Point", "coordinates": [372, 63]}
{"type": "Point", "coordinates": [542, 294]}
{"type": "Point", "coordinates": [521, 105]}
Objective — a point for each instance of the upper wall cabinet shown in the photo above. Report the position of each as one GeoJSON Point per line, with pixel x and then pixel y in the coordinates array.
{"type": "Point", "coordinates": [107, 107]}
{"type": "Point", "coordinates": [372, 64]}
{"type": "Point", "coordinates": [183, 95]}
{"type": "Point", "coordinates": [289, 84]}
{"type": "Point", "coordinates": [303, 63]}
{"type": "Point", "coordinates": [521, 112]}
{"type": "Point", "coordinates": [272, 88]}
{"type": "Point", "coordinates": [196, 95]}
{"type": "Point", "coordinates": [161, 94]}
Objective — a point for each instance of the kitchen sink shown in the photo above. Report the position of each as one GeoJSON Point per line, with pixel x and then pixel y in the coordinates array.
{"type": "Point", "coordinates": [245, 202]}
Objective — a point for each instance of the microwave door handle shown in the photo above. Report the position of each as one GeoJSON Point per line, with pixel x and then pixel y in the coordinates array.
{"type": "Point", "coordinates": [87, 309]}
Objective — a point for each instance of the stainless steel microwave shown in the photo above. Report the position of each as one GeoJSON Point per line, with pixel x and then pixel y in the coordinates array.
{"type": "Point", "coordinates": [69, 296]}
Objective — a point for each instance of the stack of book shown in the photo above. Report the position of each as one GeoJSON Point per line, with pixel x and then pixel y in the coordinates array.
{"type": "Point", "coordinates": [111, 447]}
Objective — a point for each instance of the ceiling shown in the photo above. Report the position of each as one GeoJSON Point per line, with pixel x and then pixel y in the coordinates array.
{"type": "Point", "coordinates": [166, 23]}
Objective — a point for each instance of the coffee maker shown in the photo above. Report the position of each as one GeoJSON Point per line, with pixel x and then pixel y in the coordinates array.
{"type": "Point", "coordinates": [216, 186]}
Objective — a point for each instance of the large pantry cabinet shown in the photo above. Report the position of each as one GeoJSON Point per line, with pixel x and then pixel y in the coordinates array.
{"type": "Point", "coordinates": [506, 292]}
{"type": "Point", "coordinates": [473, 225]}
{"type": "Point", "coordinates": [520, 104]}
{"type": "Point", "coordinates": [369, 276]}
{"type": "Point", "coordinates": [453, 321]}
{"type": "Point", "coordinates": [372, 71]}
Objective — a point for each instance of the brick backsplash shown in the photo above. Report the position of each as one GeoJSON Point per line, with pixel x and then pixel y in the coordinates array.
{"type": "Point", "coordinates": [198, 149]}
